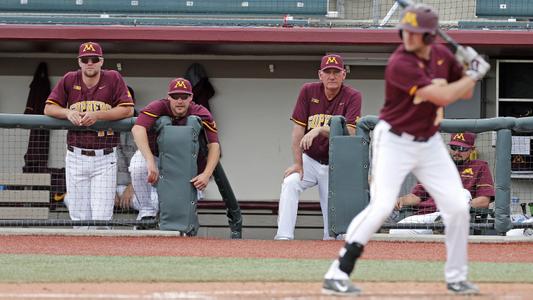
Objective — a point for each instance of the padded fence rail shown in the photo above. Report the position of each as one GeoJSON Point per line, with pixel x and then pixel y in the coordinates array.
{"type": "Point", "coordinates": [348, 192]}
{"type": "Point", "coordinates": [33, 198]}
{"type": "Point", "coordinates": [499, 128]}
{"type": "Point", "coordinates": [177, 197]}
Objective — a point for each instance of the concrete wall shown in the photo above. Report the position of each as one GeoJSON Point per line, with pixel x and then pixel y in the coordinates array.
{"type": "Point", "coordinates": [252, 107]}
{"type": "Point", "coordinates": [252, 115]}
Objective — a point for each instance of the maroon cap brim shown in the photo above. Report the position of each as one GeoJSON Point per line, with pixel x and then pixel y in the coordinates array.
{"type": "Point", "coordinates": [332, 67]}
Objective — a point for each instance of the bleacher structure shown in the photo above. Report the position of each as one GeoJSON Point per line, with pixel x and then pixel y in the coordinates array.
{"type": "Point", "coordinates": [468, 14]}
{"type": "Point", "coordinates": [161, 12]}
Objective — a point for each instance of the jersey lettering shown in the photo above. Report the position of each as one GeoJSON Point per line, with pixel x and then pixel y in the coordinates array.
{"type": "Point", "coordinates": [93, 105]}
{"type": "Point", "coordinates": [317, 120]}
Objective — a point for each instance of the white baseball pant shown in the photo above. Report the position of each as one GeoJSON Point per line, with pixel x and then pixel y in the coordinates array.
{"type": "Point", "coordinates": [91, 184]}
{"type": "Point", "coordinates": [393, 158]}
{"type": "Point", "coordinates": [145, 193]}
{"type": "Point", "coordinates": [315, 173]}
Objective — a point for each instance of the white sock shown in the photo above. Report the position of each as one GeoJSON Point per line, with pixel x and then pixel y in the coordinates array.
{"type": "Point", "coordinates": [335, 273]}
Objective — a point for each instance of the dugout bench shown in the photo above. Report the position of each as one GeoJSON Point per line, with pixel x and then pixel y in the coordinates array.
{"type": "Point", "coordinates": [260, 219]}
{"type": "Point", "coordinates": [477, 216]}
{"type": "Point", "coordinates": [24, 196]}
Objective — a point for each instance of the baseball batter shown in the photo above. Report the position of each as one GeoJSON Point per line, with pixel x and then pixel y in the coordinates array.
{"type": "Point", "coordinates": [84, 97]}
{"type": "Point", "coordinates": [316, 104]}
{"type": "Point", "coordinates": [421, 77]}
{"type": "Point", "coordinates": [144, 164]}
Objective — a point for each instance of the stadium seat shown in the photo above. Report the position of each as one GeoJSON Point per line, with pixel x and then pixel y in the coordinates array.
{"type": "Point", "coordinates": [307, 7]}
{"type": "Point", "coordinates": [504, 9]}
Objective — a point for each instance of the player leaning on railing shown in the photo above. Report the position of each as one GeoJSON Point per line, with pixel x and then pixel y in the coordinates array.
{"type": "Point", "coordinates": [84, 97]}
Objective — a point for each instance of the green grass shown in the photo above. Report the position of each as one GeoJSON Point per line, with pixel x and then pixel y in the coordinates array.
{"type": "Point", "coordinates": [48, 268]}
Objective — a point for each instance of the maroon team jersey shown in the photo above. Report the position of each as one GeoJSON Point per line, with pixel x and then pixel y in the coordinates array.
{"type": "Point", "coordinates": [313, 109]}
{"type": "Point", "coordinates": [111, 91]}
{"type": "Point", "coordinates": [159, 108]}
{"type": "Point", "coordinates": [405, 75]}
{"type": "Point", "coordinates": [476, 178]}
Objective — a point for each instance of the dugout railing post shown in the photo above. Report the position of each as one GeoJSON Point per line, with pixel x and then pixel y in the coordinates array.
{"type": "Point", "coordinates": [233, 210]}
{"type": "Point", "coordinates": [502, 219]}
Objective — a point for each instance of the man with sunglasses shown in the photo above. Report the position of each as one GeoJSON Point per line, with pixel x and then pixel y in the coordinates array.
{"type": "Point", "coordinates": [84, 97]}
{"type": "Point", "coordinates": [144, 164]}
{"type": "Point", "coordinates": [475, 176]}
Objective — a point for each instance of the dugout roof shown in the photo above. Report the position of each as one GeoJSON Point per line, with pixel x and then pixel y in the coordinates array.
{"type": "Point", "coordinates": [241, 41]}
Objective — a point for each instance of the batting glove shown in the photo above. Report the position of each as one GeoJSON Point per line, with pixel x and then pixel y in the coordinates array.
{"type": "Point", "coordinates": [465, 55]}
{"type": "Point", "coordinates": [477, 68]}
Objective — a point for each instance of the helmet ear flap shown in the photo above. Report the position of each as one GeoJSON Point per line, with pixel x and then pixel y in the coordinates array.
{"type": "Point", "coordinates": [427, 38]}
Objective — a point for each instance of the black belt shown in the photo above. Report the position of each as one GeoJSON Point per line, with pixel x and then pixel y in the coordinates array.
{"type": "Point", "coordinates": [323, 162]}
{"type": "Point", "coordinates": [106, 151]}
{"type": "Point", "coordinates": [409, 136]}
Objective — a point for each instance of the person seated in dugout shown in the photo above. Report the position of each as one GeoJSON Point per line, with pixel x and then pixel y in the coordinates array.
{"type": "Point", "coordinates": [475, 176]}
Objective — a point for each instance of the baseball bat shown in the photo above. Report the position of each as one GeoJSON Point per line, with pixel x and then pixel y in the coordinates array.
{"type": "Point", "coordinates": [442, 34]}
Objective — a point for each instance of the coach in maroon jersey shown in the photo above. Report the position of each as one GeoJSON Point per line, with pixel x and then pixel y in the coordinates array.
{"type": "Point", "coordinates": [420, 79]}
{"type": "Point", "coordinates": [84, 97]}
{"type": "Point", "coordinates": [315, 105]}
{"type": "Point", "coordinates": [475, 176]}
{"type": "Point", "coordinates": [144, 164]}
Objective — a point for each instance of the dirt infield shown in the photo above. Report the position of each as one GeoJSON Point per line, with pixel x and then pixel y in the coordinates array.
{"type": "Point", "coordinates": [203, 247]}
{"type": "Point", "coordinates": [249, 290]}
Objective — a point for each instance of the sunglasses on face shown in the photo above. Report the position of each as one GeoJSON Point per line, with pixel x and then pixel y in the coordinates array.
{"type": "Point", "coordinates": [459, 148]}
{"type": "Point", "coordinates": [92, 59]}
{"type": "Point", "coordinates": [179, 96]}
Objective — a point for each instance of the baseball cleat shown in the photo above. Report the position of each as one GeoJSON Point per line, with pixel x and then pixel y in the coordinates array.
{"type": "Point", "coordinates": [462, 287]}
{"type": "Point", "coordinates": [340, 287]}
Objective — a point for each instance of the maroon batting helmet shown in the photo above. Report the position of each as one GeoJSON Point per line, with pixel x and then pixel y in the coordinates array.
{"type": "Point", "coordinates": [419, 18]}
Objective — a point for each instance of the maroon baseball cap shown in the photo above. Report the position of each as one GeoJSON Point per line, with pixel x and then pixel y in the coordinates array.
{"type": "Point", "coordinates": [90, 49]}
{"type": "Point", "coordinates": [334, 61]}
{"type": "Point", "coordinates": [466, 139]}
{"type": "Point", "coordinates": [180, 86]}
